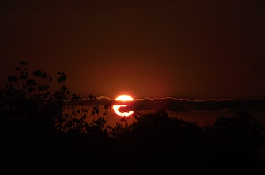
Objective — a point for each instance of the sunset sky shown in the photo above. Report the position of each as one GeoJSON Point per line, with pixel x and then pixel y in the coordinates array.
{"type": "Point", "coordinates": [195, 49]}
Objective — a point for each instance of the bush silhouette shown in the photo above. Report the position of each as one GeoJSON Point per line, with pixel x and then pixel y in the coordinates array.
{"type": "Point", "coordinates": [34, 128]}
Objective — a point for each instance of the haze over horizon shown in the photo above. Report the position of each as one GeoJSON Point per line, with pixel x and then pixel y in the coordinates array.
{"type": "Point", "coordinates": [193, 50]}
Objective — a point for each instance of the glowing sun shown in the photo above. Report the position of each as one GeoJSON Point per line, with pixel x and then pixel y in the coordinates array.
{"type": "Point", "coordinates": [124, 98]}
{"type": "Point", "coordinates": [117, 107]}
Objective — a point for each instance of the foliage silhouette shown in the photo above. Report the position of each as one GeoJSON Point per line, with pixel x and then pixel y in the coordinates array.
{"type": "Point", "coordinates": [34, 127]}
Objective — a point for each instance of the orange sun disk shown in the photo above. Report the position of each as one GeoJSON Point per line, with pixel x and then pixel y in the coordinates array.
{"type": "Point", "coordinates": [116, 107]}
{"type": "Point", "coordinates": [124, 98]}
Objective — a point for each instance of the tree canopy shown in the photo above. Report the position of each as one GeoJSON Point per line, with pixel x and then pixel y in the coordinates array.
{"type": "Point", "coordinates": [34, 129]}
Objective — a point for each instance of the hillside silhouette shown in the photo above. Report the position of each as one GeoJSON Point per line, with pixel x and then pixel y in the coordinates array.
{"type": "Point", "coordinates": [37, 138]}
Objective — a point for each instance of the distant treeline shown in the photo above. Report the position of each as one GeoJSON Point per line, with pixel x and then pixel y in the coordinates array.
{"type": "Point", "coordinates": [180, 105]}
{"type": "Point", "coordinates": [189, 105]}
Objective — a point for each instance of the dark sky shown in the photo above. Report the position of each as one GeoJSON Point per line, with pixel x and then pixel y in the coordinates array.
{"type": "Point", "coordinates": [188, 49]}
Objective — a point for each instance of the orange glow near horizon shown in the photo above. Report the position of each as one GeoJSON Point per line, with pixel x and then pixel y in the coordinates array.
{"type": "Point", "coordinates": [117, 107]}
{"type": "Point", "coordinates": [124, 98]}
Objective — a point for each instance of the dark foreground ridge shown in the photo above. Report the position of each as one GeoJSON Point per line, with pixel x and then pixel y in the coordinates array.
{"type": "Point", "coordinates": [155, 144]}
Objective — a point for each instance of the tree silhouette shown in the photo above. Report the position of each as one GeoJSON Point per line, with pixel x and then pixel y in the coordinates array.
{"type": "Point", "coordinates": [34, 126]}
{"type": "Point", "coordinates": [107, 107]}
{"type": "Point", "coordinates": [236, 141]}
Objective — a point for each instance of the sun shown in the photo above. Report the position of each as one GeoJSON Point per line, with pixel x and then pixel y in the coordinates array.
{"type": "Point", "coordinates": [124, 98]}
{"type": "Point", "coordinates": [116, 107]}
